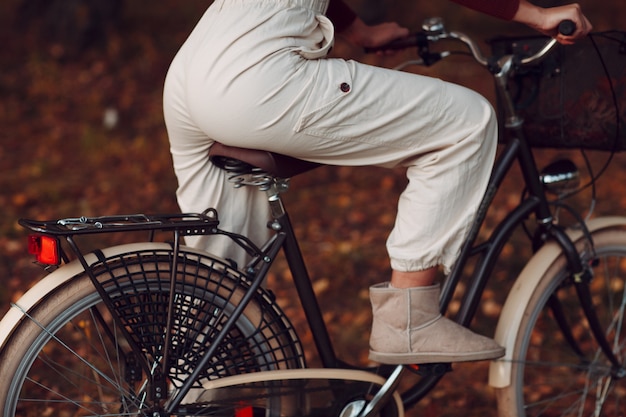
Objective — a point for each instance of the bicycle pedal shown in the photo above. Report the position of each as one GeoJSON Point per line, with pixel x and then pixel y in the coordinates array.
{"type": "Point", "coordinates": [431, 369]}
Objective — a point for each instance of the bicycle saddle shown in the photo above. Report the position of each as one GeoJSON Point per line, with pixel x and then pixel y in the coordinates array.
{"type": "Point", "coordinates": [251, 160]}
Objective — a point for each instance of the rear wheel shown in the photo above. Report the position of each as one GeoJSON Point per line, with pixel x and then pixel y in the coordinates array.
{"type": "Point", "coordinates": [69, 357]}
{"type": "Point", "coordinates": [553, 377]}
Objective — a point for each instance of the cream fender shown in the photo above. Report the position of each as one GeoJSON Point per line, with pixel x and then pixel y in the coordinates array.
{"type": "Point", "coordinates": [513, 309]}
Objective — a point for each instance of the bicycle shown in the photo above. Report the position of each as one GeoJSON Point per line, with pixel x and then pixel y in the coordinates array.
{"type": "Point", "coordinates": [159, 329]}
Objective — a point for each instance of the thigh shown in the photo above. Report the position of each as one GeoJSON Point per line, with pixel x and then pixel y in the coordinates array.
{"type": "Point", "coordinates": [385, 117]}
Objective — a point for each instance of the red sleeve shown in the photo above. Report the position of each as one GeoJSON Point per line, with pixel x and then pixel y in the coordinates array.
{"type": "Point", "coordinates": [340, 14]}
{"type": "Point", "coordinates": [504, 9]}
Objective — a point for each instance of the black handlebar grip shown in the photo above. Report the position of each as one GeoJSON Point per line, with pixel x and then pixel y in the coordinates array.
{"type": "Point", "coordinates": [567, 27]}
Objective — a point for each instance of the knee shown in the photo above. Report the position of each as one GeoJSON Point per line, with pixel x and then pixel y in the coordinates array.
{"type": "Point", "coordinates": [478, 136]}
{"type": "Point", "coordinates": [484, 116]}
{"type": "Point", "coordinates": [490, 130]}
{"type": "Point", "coordinates": [484, 131]}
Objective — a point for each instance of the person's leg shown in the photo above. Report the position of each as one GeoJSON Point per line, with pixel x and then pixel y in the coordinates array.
{"type": "Point", "coordinates": [446, 137]}
{"type": "Point", "coordinates": [436, 209]}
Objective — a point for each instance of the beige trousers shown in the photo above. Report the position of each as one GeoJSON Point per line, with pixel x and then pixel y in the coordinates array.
{"type": "Point", "coordinates": [253, 74]}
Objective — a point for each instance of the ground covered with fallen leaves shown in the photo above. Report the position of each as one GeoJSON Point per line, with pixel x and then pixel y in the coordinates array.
{"type": "Point", "coordinates": [82, 133]}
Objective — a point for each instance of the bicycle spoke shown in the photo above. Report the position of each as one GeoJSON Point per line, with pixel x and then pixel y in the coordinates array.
{"type": "Point", "coordinates": [73, 352]}
{"type": "Point", "coordinates": [104, 381]}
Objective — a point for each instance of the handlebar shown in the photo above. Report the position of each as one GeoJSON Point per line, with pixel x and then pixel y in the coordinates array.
{"type": "Point", "coordinates": [567, 28]}
{"type": "Point", "coordinates": [433, 30]}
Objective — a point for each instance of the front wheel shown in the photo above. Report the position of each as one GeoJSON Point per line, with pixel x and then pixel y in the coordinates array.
{"type": "Point", "coordinates": [552, 376]}
{"type": "Point", "coordinates": [69, 357]}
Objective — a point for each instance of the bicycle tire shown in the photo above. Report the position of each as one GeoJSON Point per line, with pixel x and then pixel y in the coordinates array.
{"type": "Point", "coordinates": [61, 360]}
{"type": "Point", "coordinates": [548, 377]}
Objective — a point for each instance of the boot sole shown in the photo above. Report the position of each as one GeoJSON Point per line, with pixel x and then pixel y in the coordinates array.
{"type": "Point", "coordinates": [434, 357]}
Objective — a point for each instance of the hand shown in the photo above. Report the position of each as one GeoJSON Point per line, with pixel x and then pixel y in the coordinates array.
{"type": "Point", "coordinates": [365, 36]}
{"type": "Point", "coordinates": [546, 20]}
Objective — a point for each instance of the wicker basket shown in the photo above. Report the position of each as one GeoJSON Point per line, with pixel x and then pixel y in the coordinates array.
{"type": "Point", "coordinates": [576, 98]}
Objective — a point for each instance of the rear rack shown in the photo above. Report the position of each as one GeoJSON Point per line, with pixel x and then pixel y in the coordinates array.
{"type": "Point", "coordinates": [185, 224]}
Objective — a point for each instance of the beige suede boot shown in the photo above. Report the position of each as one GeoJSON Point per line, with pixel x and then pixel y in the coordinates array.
{"type": "Point", "coordinates": [408, 329]}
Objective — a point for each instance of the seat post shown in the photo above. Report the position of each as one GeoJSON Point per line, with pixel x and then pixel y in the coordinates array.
{"type": "Point", "coordinates": [277, 187]}
{"type": "Point", "coordinates": [281, 223]}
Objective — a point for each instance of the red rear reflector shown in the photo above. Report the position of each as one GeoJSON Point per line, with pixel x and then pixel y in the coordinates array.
{"type": "Point", "coordinates": [244, 412]}
{"type": "Point", "coordinates": [45, 249]}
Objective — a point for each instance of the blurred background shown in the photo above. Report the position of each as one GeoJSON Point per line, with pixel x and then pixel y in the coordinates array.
{"type": "Point", "coordinates": [82, 133]}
